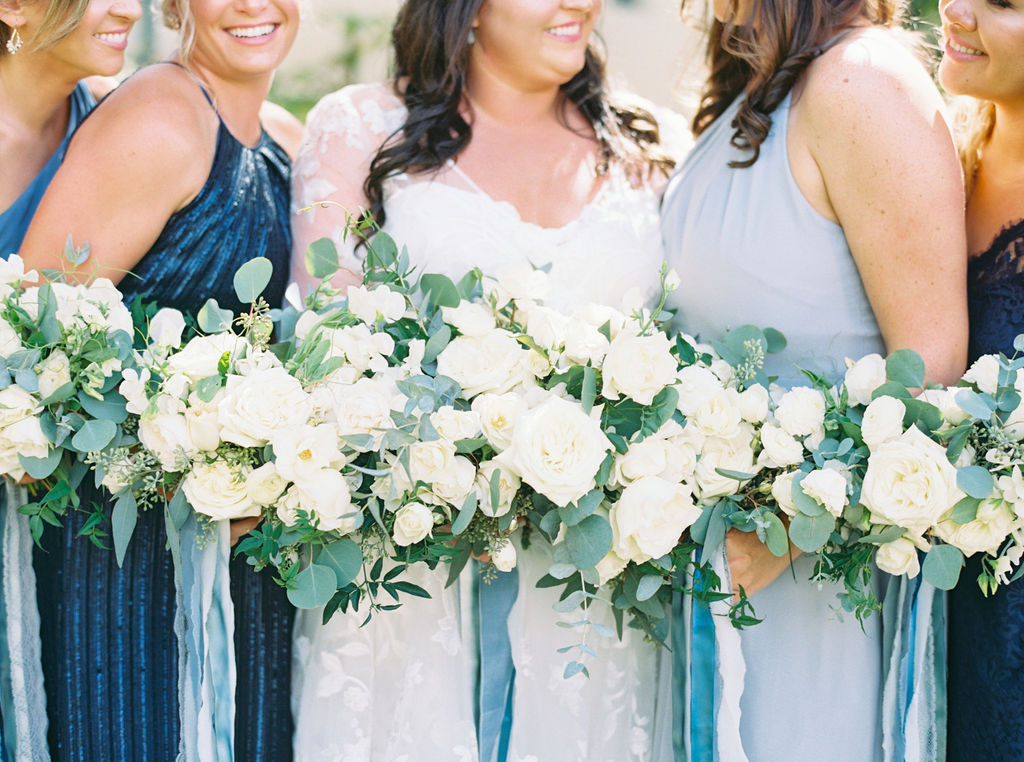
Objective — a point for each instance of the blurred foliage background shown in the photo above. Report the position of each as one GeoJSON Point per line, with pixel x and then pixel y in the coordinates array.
{"type": "Point", "coordinates": [346, 41]}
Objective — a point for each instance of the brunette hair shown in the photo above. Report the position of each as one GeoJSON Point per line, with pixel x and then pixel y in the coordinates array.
{"type": "Point", "coordinates": [765, 55]}
{"type": "Point", "coordinates": [60, 20]}
{"type": "Point", "coordinates": [431, 45]}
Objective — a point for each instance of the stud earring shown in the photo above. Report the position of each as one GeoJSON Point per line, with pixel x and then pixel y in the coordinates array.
{"type": "Point", "coordinates": [471, 37]}
{"type": "Point", "coordinates": [14, 42]}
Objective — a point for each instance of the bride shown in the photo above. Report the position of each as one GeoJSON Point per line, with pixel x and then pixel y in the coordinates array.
{"type": "Point", "coordinates": [494, 146]}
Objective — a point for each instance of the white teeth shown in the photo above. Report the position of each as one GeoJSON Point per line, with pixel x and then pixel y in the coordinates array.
{"type": "Point", "coordinates": [252, 31]}
{"type": "Point", "coordinates": [114, 37]}
{"type": "Point", "coordinates": [964, 49]}
{"type": "Point", "coordinates": [569, 30]}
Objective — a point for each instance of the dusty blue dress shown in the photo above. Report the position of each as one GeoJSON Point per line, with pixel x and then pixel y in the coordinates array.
{"type": "Point", "coordinates": [14, 221]}
{"type": "Point", "coordinates": [986, 635]}
{"type": "Point", "coordinates": [750, 249]}
{"type": "Point", "coordinates": [110, 655]}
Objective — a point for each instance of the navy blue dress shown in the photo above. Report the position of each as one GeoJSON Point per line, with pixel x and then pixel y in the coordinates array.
{"type": "Point", "coordinates": [986, 635]}
{"type": "Point", "coordinates": [109, 649]}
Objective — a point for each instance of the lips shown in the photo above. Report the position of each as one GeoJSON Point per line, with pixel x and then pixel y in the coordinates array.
{"type": "Point", "coordinates": [571, 31]}
{"type": "Point", "coordinates": [958, 47]}
{"type": "Point", "coordinates": [252, 32]}
{"type": "Point", "coordinates": [117, 39]}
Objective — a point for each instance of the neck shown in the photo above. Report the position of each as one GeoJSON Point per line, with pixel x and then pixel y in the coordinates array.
{"type": "Point", "coordinates": [505, 103]}
{"type": "Point", "coordinates": [1007, 141]}
{"type": "Point", "coordinates": [238, 101]}
{"type": "Point", "coordinates": [34, 97]}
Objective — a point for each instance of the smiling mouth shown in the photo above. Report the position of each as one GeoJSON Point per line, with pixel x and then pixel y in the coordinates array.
{"type": "Point", "coordinates": [249, 32]}
{"type": "Point", "coordinates": [112, 38]}
{"type": "Point", "coordinates": [566, 30]}
{"type": "Point", "coordinates": [964, 49]}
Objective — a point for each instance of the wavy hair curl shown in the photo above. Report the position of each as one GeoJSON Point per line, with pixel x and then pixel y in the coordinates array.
{"type": "Point", "coordinates": [765, 55]}
{"type": "Point", "coordinates": [431, 48]}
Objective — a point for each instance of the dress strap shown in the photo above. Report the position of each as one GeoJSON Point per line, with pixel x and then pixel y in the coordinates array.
{"type": "Point", "coordinates": [450, 163]}
{"type": "Point", "coordinates": [834, 40]}
{"type": "Point", "coordinates": [199, 82]}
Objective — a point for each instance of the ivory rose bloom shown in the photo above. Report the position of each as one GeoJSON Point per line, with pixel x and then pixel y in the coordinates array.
{"type": "Point", "coordinates": [909, 482]}
{"type": "Point", "coordinates": [54, 372]}
{"type": "Point", "coordinates": [638, 367]}
{"type": "Point", "coordinates": [826, 486]}
{"type": "Point", "coordinates": [557, 449]}
{"type": "Point", "coordinates": [218, 490]}
{"type": "Point", "coordinates": [9, 341]}
{"type": "Point", "coordinates": [504, 558]}
{"type": "Point", "coordinates": [898, 557]}
{"type": "Point", "coordinates": [302, 452]}
{"type": "Point", "coordinates": [378, 302]}
{"type": "Point", "coordinates": [200, 357]}
{"type": "Point", "coordinates": [326, 498]}
{"type": "Point", "coordinates": [498, 415]}
{"type": "Point", "coordinates": [985, 373]}
{"type": "Point", "coordinates": [990, 527]}
{"type": "Point", "coordinates": [492, 362]}
{"type": "Point", "coordinates": [649, 517]}
{"type": "Point", "coordinates": [413, 522]}
{"type": "Point", "coordinates": [265, 485]}
{"type": "Point", "coordinates": [166, 436]}
{"type": "Point", "coordinates": [779, 448]}
{"type": "Point", "coordinates": [782, 491]}
{"type": "Point", "coordinates": [883, 421]}
{"type": "Point", "coordinates": [863, 377]}
{"type": "Point", "coordinates": [454, 425]}
{"type": "Point", "coordinates": [255, 406]}
{"type": "Point", "coordinates": [362, 408]}
{"type": "Point", "coordinates": [695, 385]}
{"type": "Point", "coordinates": [508, 486]}
{"type": "Point", "coordinates": [801, 411]}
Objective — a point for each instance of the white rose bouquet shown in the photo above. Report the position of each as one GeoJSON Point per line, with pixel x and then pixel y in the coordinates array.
{"type": "Point", "coordinates": [63, 350]}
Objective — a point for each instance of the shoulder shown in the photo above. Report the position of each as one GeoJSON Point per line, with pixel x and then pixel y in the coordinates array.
{"type": "Point", "coordinates": [100, 86]}
{"type": "Point", "coordinates": [365, 113]}
{"type": "Point", "coordinates": [873, 76]}
{"type": "Point", "coordinates": [282, 126]}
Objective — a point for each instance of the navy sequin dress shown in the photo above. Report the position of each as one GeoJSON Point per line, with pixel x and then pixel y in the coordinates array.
{"type": "Point", "coordinates": [986, 635]}
{"type": "Point", "coordinates": [109, 650]}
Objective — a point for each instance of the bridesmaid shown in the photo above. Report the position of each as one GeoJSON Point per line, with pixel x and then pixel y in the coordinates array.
{"type": "Point", "coordinates": [46, 48]}
{"type": "Point", "coordinates": [823, 197]}
{"type": "Point", "coordinates": [984, 58]}
{"type": "Point", "coordinates": [188, 177]}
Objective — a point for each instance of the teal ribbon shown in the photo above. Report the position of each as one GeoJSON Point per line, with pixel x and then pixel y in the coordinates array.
{"type": "Point", "coordinates": [496, 669]}
{"type": "Point", "coordinates": [702, 681]}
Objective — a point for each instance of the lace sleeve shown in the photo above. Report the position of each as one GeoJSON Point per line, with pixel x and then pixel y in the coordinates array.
{"type": "Point", "coordinates": [343, 133]}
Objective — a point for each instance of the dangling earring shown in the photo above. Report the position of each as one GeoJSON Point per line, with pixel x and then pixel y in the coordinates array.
{"type": "Point", "coordinates": [471, 37]}
{"type": "Point", "coordinates": [14, 42]}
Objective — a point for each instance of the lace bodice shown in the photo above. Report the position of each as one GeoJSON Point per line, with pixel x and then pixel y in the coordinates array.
{"type": "Point", "coordinates": [450, 225]}
{"type": "Point", "coordinates": [416, 664]}
{"type": "Point", "coordinates": [995, 282]}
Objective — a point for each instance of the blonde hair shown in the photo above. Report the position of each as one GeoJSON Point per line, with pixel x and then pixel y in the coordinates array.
{"type": "Point", "coordinates": [60, 20]}
{"type": "Point", "coordinates": [177, 15]}
{"type": "Point", "coordinates": [973, 122]}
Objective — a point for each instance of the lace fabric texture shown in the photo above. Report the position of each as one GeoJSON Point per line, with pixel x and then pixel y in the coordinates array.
{"type": "Point", "coordinates": [406, 680]}
{"type": "Point", "coordinates": [986, 647]}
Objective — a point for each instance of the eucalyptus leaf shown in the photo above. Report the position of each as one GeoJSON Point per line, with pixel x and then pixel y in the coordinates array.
{"type": "Point", "coordinates": [111, 408]}
{"type": "Point", "coordinates": [40, 468]}
{"type": "Point", "coordinates": [252, 278]}
{"type": "Point", "coordinates": [966, 510]}
{"type": "Point", "coordinates": [94, 435]}
{"type": "Point", "coordinates": [465, 514]}
{"type": "Point", "coordinates": [574, 513]}
{"type": "Point", "coordinates": [571, 602]}
{"type": "Point", "coordinates": [213, 319]}
{"type": "Point", "coordinates": [810, 533]}
{"type": "Point", "coordinates": [941, 567]}
{"type": "Point", "coordinates": [322, 258]}
{"type": "Point", "coordinates": [775, 536]}
{"type": "Point", "coordinates": [437, 343]}
{"type": "Point", "coordinates": [123, 518]}
{"type": "Point", "coordinates": [649, 585]}
{"type": "Point", "coordinates": [562, 571]}
{"type": "Point", "coordinates": [589, 391]}
{"type": "Point", "coordinates": [344, 557]}
{"type": "Point", "coordinates": [973, 404]}
{"type": "Point", "coordinates": [27, 379]}
{"type": "Point", "coordinates": [61, 393]}
{"type": "Point", "coordinates": [589, 541]}
{"type": "Point", "coordinates": [806, 504]}
{"type": "Point", "coordinates": [976, 481]}
{"type": "Point", "coordinates": [905, 367]}
{"type": "Point", "coordinates": [775, 340]}
{"type": "Point", "coordinates": [440, 290]}
{"type": "Point", "coordinates": [314, 586]}
{"type": "Point", "coordinates": [178, 509]}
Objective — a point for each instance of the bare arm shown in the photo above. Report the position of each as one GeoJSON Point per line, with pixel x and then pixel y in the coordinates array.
{"type": "Point", "coordinates": [141, 156]}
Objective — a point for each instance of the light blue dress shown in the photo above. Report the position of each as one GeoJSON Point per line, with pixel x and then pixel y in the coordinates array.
{"type": "Point", "coordinates": [750, 249]}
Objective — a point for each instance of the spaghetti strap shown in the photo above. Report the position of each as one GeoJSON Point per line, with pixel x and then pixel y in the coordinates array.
{"type": "Point", "coordinates": [202, 85]}
{"type": "Point", "coordinates": [834, 40]}
{"type": "Point", "coordinates": [468, 180]}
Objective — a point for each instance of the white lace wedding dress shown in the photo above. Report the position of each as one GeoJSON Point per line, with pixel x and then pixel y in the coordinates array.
{"type": "Point", "coordinates": [402, 688]}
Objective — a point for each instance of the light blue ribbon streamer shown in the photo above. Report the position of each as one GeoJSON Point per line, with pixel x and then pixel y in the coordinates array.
{"type": "Point", "coordinates": [497, 671]}
{"type": "Point", "coordinates": [702, 680]}
{"type": "Point", "coordinates": [205, 625]}
{"type": "Point", "coordinates": [22, 695]}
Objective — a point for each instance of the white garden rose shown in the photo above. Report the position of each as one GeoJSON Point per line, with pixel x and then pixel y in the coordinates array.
{"type": "Point", "coordinates": [517, 282]}
{"type": "Point", "coordinates": [610, 567]}
{"type": "Point", "coordinates": [650, 516]}
{"type": "Point", "coordinates": [9, 340]}
{"type": "Point", "coordinates": [984, 372]}
{"type": "Point", "coordinates": [166, 436]}
{"type": "Point", "coordinates": [638, 367]}
{"type": "Point", "coordinates": [455, 483]}
{"type": "Point", "coordinates": [801, 411]}
{"type": "Point", "coordinates": [504, 557]}
{"type": "Point", "coordinates": [557, 449]}
{"type": "Point", "coordinates": [202, 420]}
{"type": "Point", "coordinates": [863, 377]}
{"type": "Point", "coordinates": [883, 421]}
{"type": "Point", "coordinates": [166, 327]}
{"type": "Point", "coordinates": [380, 302]}
{"type": "Point", "coordinates": [455, 425]}
{"type": "Point", "coordinates": [753, 403]}
{"type": "Point", "coordinates": [219, 490]}
{"type": "Point", "coordinates": [718, 416]}
{"type": "Point", "coordinates": [53, 372]}
{"type": "Point", "coordinates": [898, 558]}
{"type": "Point", "coordinates": [945, 401]}
{"type": "Point", "coordinates": [326, 498]}
{"type": "Point", "coordinates": [256, 359]}
{"type": "Point", "coordinates": [301, 453]}
{"type": "Point", "coordinates": [430, 460]}
{"type": "Point", "coordinates": [735, 454]}
{"type": "Point", "coordinates": [200, 356]}
{"type": "Point", "coordinates": [265, 485]}
{"type": "Point", "coordinates": [653, 456]}
{"type": "Point", "coordinates": [782, 491]}
{"type": "Point", "coordinates": [696, 384]}
{"type": "Point", "coordinates": [20, 431]}
{"type": "Point", "coordinates": [584, 342]}
{"type": "Point", "coordinates": [255, 406]}
{"type": "Point", "coordinates": [546, 326]}
{"type": "Point", "coordinates": [985, 534]}
{"type": "Point", "coordinates": [362, 408]}
{"type": "Point", "coordinates": [498, 415]}
{"type": "Point", "coordinates": [413, 522]}
{"type": "Point", "coordinates": [470, 318]}
{"type": "Point", "coordinates": [909, 482]}
{"type": "Point", "coordinates": [508, 486]}
{"type": "Point", "coordinates": [826, 486]}
{"type": "Point", "coordinates": [493, 362]}
{"type": "Point", "coordinates": [779, 449]}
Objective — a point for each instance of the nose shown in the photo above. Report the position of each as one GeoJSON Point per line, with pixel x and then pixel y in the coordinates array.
{"type": "Point", "coordinates": [958, 13]}
{"type": "Point", "coordinates": [580, 5]}
{"type": "Point", "coordinates": [251, 7]}
{"type": "Point", "coordinates": [129, 10]}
